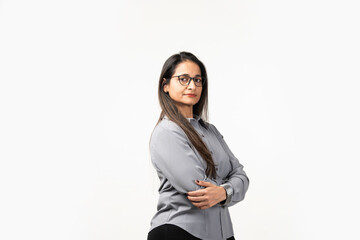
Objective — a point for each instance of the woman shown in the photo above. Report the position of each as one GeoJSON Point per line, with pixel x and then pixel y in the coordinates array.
{"type": "Point", "coordinates": [199, 175]}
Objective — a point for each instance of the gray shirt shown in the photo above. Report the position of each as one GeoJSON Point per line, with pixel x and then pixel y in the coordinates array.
{"type": "Point", "coordinates": [178, 165]}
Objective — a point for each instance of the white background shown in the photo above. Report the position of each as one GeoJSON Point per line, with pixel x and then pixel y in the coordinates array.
{"type": "Point", "coordinates": [78, 102]}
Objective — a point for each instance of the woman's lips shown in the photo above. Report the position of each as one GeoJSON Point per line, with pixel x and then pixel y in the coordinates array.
{"type": "Point", "coordinates": [190, 95]}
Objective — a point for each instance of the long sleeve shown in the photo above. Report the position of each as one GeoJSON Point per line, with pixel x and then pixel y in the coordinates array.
{"type": "Point", "coordinates": [175, 159]}
{"type": "Point", "coordinates": [179, 164]}
{"type": "Point", "coordinates": [236, 182]}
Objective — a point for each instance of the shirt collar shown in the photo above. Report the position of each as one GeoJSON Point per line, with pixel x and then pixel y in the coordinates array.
{"type": "Point", "coordinates": [195, 118]}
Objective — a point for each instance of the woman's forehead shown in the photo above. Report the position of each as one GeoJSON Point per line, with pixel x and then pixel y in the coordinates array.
{"type": "Point", "coordinates": [187, 67]}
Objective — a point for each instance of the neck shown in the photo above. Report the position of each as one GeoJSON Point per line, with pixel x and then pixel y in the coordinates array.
{"type": "Point", "coordinates": [186, 111]}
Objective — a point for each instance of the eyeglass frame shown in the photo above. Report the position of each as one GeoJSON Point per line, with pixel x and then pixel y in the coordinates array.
{"type": "Point", "coordinates": [191, 78]}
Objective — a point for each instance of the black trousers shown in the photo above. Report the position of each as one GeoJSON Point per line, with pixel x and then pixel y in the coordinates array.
{"type": "Point", "coordinates": [171, 232]}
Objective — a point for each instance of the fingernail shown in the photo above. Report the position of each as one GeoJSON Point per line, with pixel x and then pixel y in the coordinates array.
{"type": "Point", "coordinates": [197, 181]}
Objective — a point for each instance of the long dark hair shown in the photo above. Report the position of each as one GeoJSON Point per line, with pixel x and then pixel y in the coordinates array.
{"type": "Point", "coordinates": [200, 108]}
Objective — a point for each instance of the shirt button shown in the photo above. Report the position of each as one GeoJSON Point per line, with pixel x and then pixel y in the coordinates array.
{"type": "Point", "coordinates": [202, 135]}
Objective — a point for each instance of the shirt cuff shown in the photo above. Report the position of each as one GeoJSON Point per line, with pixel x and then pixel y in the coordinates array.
{"type": "Point", "coordinates": [229, 193]}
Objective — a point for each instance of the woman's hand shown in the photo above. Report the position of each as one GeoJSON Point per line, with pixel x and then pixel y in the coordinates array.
{"type": "Point", "coordinates": [207, 197]}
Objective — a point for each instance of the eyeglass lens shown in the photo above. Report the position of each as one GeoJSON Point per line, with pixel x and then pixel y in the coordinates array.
{"type": "Point", "coordinates": [184, 80]}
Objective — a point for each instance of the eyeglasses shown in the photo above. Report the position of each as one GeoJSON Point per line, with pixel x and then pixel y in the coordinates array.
{"type": "Point", "coordinates": [186, 79]}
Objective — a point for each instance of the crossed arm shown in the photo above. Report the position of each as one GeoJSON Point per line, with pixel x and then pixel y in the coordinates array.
{"type": "Point", "coordinates": [207, 197]}
{"type": "Point", "coordinates": [174, 157]}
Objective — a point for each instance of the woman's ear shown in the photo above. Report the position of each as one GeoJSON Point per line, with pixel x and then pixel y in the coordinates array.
{"type": "Point", "coordinates": [165, 88]}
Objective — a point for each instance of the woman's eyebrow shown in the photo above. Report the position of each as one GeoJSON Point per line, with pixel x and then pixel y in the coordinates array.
{"type": "Point", "coordinates": [197, 75]}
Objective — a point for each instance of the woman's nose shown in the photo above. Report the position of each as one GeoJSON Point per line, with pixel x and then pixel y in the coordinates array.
{"type": "Point", "coordinates": [191, 84]}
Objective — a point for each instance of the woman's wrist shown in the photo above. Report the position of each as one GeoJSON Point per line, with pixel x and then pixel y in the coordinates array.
{"type": "Point", "coordinates": [223, 194]}
{"type": "Point", "coordinates": [229, 191]}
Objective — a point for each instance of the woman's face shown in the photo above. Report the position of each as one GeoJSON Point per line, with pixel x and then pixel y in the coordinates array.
{"type": "Point", "coordinates": [178, 92]}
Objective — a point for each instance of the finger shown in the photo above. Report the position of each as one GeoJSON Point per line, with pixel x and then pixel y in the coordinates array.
{"type": "Point", "coordinates": [205, 207]}
{"type": "Point", "coordinates": [197, 199]}
{"type": "Point", "coordinates": [196, 193]}
{"type": "Point", "coordinates": [203, 183]}
{"type": "Point", "coordinates": [200, 205]}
